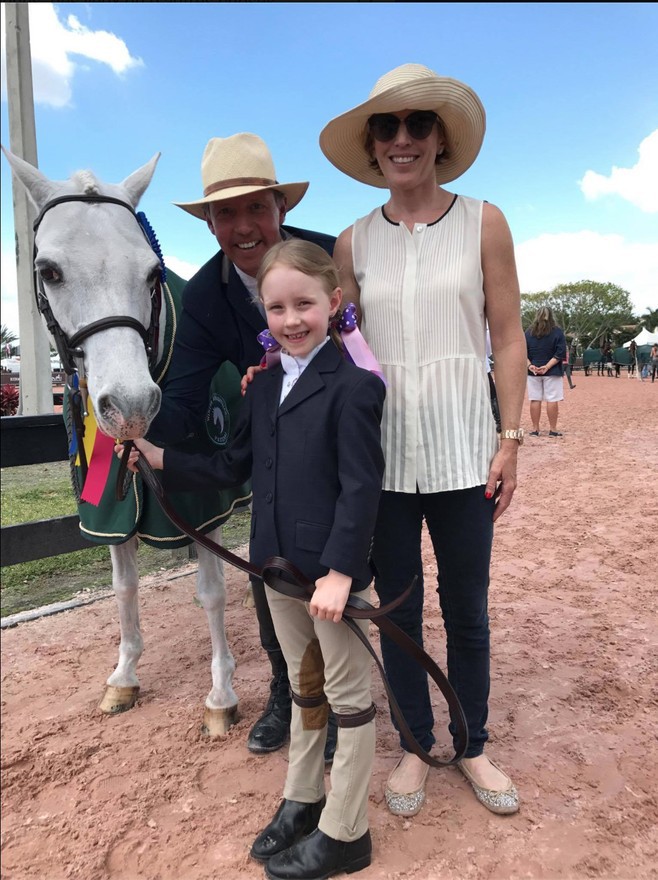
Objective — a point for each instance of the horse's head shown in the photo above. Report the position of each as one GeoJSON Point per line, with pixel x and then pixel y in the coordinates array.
{"type": "Point", "coordinates": [94, 264]}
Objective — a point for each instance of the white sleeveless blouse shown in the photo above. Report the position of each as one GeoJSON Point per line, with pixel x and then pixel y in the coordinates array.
{"type": "Point", "coordinates": [422, 301]}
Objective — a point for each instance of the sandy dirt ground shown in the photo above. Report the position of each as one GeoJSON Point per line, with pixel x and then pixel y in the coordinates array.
{"type": "Point", "coordinates": [574, 701]}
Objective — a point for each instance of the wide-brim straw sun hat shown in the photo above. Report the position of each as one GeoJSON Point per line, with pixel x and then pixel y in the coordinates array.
{"type": "Point", "coordinates": [409, 87]}
{"type": "Point", "coordinates": [235, 166]}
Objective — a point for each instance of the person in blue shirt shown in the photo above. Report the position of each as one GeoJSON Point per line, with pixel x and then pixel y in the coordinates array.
{"type": "Point", "coordinates": [547, 348]}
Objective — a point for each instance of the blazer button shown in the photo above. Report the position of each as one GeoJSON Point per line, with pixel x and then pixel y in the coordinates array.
{"type": "Point", "coordinates": [269, 497]}
{"type": "Point", "coordinates": [268, 462]}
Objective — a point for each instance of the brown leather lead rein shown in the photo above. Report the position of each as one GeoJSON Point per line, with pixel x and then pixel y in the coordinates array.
{"type": "Point", "coordinates": [300, 587]}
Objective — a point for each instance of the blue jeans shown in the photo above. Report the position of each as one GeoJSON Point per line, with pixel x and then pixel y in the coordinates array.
{"type": "Point", "coordinates": [460, 525]}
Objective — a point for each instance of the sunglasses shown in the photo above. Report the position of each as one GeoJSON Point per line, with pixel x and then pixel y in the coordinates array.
{"type": "Point", "coordinates": [419, 124]}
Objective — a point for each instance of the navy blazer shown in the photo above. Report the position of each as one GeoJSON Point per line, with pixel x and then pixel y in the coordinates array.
{"type": "Point", "coordinates": [219, 322]}
{"type": "Point", "coordinates": [316, 464]}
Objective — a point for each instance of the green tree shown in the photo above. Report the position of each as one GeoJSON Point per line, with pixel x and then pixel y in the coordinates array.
{"type": "Point", "coordinates": [588, 311]}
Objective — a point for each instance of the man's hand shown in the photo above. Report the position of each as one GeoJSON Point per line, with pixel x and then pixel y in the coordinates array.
{"type": "Point", "coordinates": [330, 597]}
{"type": "Point", "coordinates": [248, 377]}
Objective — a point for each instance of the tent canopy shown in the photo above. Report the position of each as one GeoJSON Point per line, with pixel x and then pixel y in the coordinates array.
{"type": "Point", "coordinates": [644, 337]}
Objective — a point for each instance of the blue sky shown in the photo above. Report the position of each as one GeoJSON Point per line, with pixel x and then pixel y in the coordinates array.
{"type": "Point", "coordinates": [570, 90]}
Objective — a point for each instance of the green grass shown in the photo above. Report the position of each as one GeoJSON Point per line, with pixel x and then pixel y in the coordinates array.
{"type": "Point", "coordinates": [43, 492]}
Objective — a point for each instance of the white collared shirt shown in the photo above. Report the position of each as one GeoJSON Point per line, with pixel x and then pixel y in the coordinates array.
{"type": "Point", "coordinates": [293, 367]}
{"type": "Point", "coordinates": [252, 288]}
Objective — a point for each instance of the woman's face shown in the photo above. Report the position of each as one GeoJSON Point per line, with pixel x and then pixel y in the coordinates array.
{"type": "Point", "coordinates": [408, 162]}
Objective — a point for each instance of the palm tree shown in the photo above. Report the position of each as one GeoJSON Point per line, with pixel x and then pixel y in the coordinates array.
{"type": "Point", "coordinates": [650, 319]}
{"type": "Point", "coordinates": [8, 337]}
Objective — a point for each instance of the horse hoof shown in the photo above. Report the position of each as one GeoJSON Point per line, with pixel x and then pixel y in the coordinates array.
{"type": "Point", "coordinates": [216, 722]}
{"type": "Point", "coordinates": [248, 600]}
{"type": "Point", "coordinates": [118, 699]}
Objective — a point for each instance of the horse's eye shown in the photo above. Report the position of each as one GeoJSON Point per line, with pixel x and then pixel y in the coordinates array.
{"type": "Point", "coordinates": [50, 275]}
{"type": "Point", "coordinates": [153, 277]}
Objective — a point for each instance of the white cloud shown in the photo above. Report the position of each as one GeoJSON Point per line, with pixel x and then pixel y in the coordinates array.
{"type": "Point", "coordinates": [181, 267]}
{"type": "Point", "coordinates": [53, 42]}
{"type": "Point", "coordinates": [637, 185]}
{"type": "Point", "coordinates": [567, 257]}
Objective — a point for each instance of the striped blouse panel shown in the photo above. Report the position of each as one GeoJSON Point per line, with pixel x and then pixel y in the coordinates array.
{"type": "Point", "coordinates": [438, 431]}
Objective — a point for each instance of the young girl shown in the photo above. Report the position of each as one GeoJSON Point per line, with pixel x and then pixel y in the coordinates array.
{"type": "Point", "coordinates": [309, 436]}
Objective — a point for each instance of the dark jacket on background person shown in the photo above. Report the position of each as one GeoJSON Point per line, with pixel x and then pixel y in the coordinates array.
{"type": "Point", "coordinates": [219, 322]}
{"type": "Point", "coordinates": [541, 349]}
{"type": "Point", "coordinates": [315, 461]}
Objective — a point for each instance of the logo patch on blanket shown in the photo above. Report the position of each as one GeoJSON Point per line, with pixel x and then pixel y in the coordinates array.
{"type": "Point", "coordinates": [218, 420]}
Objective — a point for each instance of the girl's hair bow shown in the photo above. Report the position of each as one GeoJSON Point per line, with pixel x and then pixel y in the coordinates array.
{"type": "Point", "coordinates": [355, 347]}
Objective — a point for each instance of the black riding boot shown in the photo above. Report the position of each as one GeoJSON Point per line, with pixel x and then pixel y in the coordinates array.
{"type": "Point", "coordinates": [272, 729]}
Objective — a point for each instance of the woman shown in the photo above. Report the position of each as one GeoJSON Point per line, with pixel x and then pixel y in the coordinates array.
{"type": "Point", "coordinates": [546, 349]}
{"type": "Point", "coordinates": [429, 269]}
{"type": "Point", "coordinates": [653, 357]}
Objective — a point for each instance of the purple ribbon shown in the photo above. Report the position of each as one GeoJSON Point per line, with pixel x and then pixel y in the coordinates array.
{"type": "Point", "coordinates": [267, 340]}
{"type": "Point", "coordinates": [347, 322]}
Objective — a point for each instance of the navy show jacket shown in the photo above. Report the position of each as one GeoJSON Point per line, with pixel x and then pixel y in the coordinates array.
{"type": "Point", "coordinates": [316, 464]}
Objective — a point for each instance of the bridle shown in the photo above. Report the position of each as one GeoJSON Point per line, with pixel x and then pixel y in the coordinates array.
{"type": "Point", "coordinates": [69, 349]}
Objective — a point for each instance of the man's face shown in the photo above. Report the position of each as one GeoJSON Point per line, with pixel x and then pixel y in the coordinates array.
{"type": "Point", "coordinates": [246, 227]}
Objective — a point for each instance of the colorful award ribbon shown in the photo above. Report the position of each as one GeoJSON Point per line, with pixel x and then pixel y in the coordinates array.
{"type": "Point", "coordinates": [99, 449]}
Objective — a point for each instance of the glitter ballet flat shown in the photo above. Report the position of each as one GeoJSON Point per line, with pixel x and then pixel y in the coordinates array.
{"type": "Point", "coordinates": [502, 802]}
{"type": "Point", "coordinates": [405, 803]}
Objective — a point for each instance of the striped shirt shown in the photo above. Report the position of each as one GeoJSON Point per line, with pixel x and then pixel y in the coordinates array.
{"type": "Point", "coordinates": [422, 301]}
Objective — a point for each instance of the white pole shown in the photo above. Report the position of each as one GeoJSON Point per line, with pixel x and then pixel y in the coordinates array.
{"type": "Point", "coordinates": [36, 375]}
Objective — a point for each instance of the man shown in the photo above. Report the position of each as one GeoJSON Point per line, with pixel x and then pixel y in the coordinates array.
{"type": "Point", "coordinates": [244, 207]}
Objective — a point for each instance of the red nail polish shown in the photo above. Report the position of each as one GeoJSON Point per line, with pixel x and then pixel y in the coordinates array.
{"type": "Point", "coordinates": [487, 495]}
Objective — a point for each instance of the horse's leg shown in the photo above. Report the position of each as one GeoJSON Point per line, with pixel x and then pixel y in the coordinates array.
{"type": "Point", "coordinates": [123, 685]}
{"type": "Point", "coordinates": [221, 703]}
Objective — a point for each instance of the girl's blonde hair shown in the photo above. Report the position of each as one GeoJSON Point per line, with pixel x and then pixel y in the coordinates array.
{"type": "Point", "coordinates": [543, 324]}
{"type": "Point", "coordinates": [306, 257]}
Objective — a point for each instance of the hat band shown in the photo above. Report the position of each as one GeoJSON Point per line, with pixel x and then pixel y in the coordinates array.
{"type": "Point", "coordinates": [238, 181]}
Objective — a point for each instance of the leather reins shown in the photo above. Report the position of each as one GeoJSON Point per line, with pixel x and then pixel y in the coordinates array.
{"type": "Point", "coordinates": [298, 586]}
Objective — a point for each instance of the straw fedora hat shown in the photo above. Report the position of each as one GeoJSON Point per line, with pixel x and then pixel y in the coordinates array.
{"type": "Point", "coordinates": [409, 87]}
{"type": "Point", "coordinates": [235, 166]}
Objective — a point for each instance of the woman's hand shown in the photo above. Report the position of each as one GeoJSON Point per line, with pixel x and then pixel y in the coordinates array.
{"type": "Point", "coordinates": [248, 377]}
{"type": "Point", "coordinates": [153, 454]}
{"type": "Point", "coordinates": [502, 477]}
{"type": "Point", "coordinates": [330, 597]}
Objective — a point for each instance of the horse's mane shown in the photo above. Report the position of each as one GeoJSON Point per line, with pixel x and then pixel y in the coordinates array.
{"type": "Point", "coordinates": [87, 182]}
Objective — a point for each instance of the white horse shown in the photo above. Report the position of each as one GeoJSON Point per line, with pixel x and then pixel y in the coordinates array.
{"type": "Point", "coordinates": [94, 264]}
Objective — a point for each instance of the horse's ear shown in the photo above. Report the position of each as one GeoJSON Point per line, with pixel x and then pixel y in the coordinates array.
{"type": "Point", "coordinates": [135, 185]}
{"type": "Point", "coordinates": [38, 186]}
